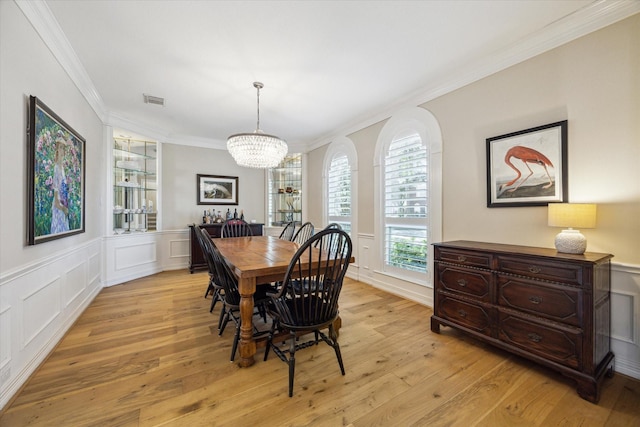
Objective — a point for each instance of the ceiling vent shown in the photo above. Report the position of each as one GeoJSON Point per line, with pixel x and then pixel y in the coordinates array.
{"type": "Point", "coordinates": [150, 99]}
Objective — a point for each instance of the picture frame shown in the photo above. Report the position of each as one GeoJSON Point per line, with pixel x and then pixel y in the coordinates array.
{"type": "Point", "coordinates": [55, 176]}
{"type": "Point", "coordinates": [528, 167]}
{"type": "Point", "coordinates": [217, 190]}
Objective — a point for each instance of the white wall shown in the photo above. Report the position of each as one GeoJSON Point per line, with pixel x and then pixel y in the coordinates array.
{"type": "Point", "coordinates": [43, 288]}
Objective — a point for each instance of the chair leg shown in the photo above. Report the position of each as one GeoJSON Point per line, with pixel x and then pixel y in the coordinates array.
{"type": "Point", "coordinates": [222, 313]}
{"type": "Point", "coordinates": [235, 342]}
{"type": "Point", "coordinates": [292, 364]}
{"type": "Point", "coordinates": [224, 322]}
{"type": "Point", "coordinates": [214, 300]}
{"type": "Point", "coordinates": [336, 346]}
{"type": "Point", "coordinates": [270, 339]}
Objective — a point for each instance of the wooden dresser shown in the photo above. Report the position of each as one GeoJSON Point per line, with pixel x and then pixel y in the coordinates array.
{"type": "Point", "coordinates": [196, 257]}
{"type": "Point", "coordinates": [549, 307]}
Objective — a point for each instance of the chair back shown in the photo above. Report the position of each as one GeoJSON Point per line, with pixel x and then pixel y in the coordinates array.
{"type": "Point", "coordinates": [303, 234]}
{"type": "Point", "coordinates": [333, 225]}
{"type": "Point", "coordinates": [289, 229]}
{"type": "Point", "coordinates": [224, 276]}
{"type": "Point", "coordinates": [308, 296]}
{"type": "Point", "coordinates": [201, 236]}
{"type": "Point", "coordinates": [236, 228]}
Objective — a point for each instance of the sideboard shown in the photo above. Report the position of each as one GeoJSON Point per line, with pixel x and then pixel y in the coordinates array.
{"type": "Point", "coordinates": [196, 257]}
{"type": "Point", "coordinates": [549, 307]}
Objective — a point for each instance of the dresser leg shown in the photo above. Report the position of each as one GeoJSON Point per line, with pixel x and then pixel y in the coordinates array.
{"type": "Point", "coordinates": [435, 326]}
{"type": "Point", "coordinates": [589, 390]}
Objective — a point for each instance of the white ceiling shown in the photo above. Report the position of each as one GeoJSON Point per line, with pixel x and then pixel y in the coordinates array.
{"type": "Point", "coordinates": [327, 66]}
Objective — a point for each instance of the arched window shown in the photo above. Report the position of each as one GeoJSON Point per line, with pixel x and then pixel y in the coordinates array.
{"type": "Point", "coordinates": [340, 184]}
{"type": "Point", "coordinates": [405, 203]}
{"type": "Point", "coordinates": [339, 192]}
{"type": "Point", "coordinates": [408, 169]}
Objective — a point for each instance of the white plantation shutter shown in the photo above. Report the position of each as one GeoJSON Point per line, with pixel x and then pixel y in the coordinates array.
{"type": "Point", "coordinates": [339, 191]}
{"type": "Point", "coordinates": [406, 188]}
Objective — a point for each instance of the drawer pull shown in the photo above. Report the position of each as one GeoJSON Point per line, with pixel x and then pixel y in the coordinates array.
{"type": "Point", "coordinates": [535, 270]}
{"type": "Point", "coordinates": [535, 337]}
{"type": "Point", "coordinates": [535, 300]}
{"type": "Point", "coordinates": [462, 313]}
{"type": "Point", "coordinates": [462, 282]}
{"type": "Point", "coordinates": [462, 258]}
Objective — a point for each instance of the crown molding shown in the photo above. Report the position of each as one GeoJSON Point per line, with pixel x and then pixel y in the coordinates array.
{"type": "Point", "coordinates": [590, 18]}
{"type": "Point", "coordinates": [41, 18]}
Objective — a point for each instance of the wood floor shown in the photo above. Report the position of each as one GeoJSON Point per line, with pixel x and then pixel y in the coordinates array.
{"type": "Point", "coordinates": [147, 353]}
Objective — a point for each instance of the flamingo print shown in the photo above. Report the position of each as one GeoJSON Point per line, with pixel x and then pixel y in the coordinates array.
{"type": "Point", "coordinates": [526, 155]}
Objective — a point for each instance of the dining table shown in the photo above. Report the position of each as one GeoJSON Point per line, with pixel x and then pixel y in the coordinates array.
{"type": "Point", "coordinates": [254, 260]}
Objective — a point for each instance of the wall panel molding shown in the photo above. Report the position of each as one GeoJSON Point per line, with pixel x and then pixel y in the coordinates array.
{"type": "Point", "coordinates": [38, 303]}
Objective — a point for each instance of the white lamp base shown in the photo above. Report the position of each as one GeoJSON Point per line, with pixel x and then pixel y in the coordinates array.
{"type": "Point", "coordinates": [571, 242]}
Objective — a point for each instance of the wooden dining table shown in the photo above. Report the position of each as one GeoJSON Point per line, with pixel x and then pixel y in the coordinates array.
{"type": "Point", "coordinates": [254, 260]}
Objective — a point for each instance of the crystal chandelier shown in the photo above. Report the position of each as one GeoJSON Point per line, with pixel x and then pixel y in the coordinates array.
{"type": "Point", "coordinates": [257, 149]}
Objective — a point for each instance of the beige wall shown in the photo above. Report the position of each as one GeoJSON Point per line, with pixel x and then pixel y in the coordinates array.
{"type": "Point", "coordinates": [181, 164]}
{"type": "Point", "coordinates": [594, 83]}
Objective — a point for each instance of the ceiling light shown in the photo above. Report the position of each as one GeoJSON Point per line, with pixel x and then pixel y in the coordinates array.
{"type": "Point", "coordinates": [257, 149]}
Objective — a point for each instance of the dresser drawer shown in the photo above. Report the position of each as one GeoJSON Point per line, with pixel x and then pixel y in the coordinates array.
{"type": "Point", "coordinates": [471, 283]}
{"type": "Point", "coordinates": [473, 259]}
{"type": "Point", "coordinates": [558, 303]}
{"type": "Point", "coordinates": [554, 344]}
{"type": "Point", "coordinates": [471, 316]}
{"type": "Point", "coordinates": [556, 271]}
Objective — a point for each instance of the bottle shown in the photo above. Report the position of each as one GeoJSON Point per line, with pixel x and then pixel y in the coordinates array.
{"type": "Point", "coordinates": [235, 214]}
{"type": "Point", "coordinates": [204, 217]}
{"type": "Point", "coordinates": [228, 214]}
{"type": "Point", "coordinates": [242, 214]}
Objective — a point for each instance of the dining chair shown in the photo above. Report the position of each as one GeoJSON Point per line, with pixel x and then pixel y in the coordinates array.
{"type": "Point", "coordinates": [299, 311]}
{"type": "Point", "coordinates": [333, 225]}
{"type": "Point", "coordinates": [231, 295]}
{"type": "Point", "coordinates": [213, 288]}
{"type": "Point", "coordinates": [236, 228]}
{"type": "Point", "coordinates": [289, 229]}
{"type": "Point", "coordinates": [303, 234]}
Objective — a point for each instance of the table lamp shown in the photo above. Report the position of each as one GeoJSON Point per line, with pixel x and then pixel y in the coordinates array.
{"type": "Point", "coordinates": [578, 215]}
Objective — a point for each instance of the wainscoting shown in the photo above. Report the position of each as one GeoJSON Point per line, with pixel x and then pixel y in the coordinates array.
{"type": "Point", "coordinates": [38, 303]}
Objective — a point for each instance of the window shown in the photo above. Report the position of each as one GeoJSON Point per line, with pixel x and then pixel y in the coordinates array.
{"type": "Point", "coordinates": [405, 203]}
{"type": "Point", "coordinates": [408, 195]}
{"type": "Point", "coordinates": [340, 180]}
{"type": "Point", "coordinates": [339, 192]}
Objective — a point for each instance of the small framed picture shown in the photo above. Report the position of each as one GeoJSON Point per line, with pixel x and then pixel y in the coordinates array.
{"type": "Point", "coordinates": [528, 167]}
{"type": "Point", "coordinates": [217, 190]}
{"type": "Point", "coordinates": [55, 176]}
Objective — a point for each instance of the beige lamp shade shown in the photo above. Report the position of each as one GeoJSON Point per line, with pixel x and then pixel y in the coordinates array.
{"type": "Point", "coordinates": [572, 215]}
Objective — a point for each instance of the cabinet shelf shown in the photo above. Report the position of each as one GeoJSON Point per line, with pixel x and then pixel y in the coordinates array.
{"type": "Point", "coordinates": [119, 152]}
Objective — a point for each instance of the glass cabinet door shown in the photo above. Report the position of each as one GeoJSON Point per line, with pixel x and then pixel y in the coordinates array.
{"type": "Point", "coordinates": [285, 192]}
{"type": "Point", "coordinates": [135, 185]}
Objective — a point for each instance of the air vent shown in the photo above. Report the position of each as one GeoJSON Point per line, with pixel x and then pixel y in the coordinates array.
{"type": "Point", "coordinates": [150, 99]}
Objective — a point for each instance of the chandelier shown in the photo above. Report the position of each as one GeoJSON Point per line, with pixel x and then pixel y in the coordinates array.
{"type": "Point", "coordinates": [257, 149]}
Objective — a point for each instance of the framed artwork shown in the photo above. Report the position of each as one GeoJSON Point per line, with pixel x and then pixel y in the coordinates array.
{"type": "Point", "coordinates": [217, 190]}
{"type": "Point", "coordinates": [528, 167]}
{"type": "Point", "coordinates": [55, 176]}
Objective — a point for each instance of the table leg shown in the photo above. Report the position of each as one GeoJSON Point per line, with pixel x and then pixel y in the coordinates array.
{"type": "Point", "coordinates": [247, 287]}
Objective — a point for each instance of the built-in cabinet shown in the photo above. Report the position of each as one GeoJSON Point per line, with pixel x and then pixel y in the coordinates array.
{"type": "Point", "coordinates": [552, 308]}
{"type": "Point", "coordinates": [135, 185]}
{"type": "Point", "coordinates": [285, 190]}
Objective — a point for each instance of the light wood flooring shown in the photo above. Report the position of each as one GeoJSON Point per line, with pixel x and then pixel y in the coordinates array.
{"type": "Point", "coordinates": [147, 353]}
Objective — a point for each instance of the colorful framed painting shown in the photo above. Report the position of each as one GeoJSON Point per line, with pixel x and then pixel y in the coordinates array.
{"type": "Point", "coordinates": [55, 176]}
{"type": "Point", "coordinates": [217, 190]}
{"type": "Point", "coordinates": [528, 167]}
